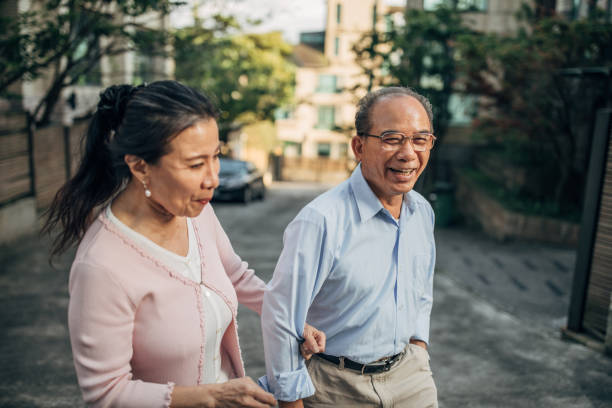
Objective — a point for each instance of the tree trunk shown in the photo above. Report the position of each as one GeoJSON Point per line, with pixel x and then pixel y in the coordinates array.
{"type": "Point", "coordinates": [50, 101]}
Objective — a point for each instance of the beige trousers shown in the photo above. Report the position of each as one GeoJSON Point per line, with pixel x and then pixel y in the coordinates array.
{"type": "Point", "coordinates": [409, 383]}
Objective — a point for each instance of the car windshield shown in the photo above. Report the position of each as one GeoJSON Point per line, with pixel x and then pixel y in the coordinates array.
{"type": "Point", "coordinates": [231, 167]}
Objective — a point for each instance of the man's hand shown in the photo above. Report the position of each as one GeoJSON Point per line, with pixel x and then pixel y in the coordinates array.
{"type": "Point", "coordinates": [314, 342]}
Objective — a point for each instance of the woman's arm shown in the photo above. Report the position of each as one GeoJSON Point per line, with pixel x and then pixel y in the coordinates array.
{"type": "Point", "coordinates": [101, 322]}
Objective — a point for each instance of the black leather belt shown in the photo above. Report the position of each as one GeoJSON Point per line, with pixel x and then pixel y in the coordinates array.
{"type": "Point", "coordinates": [382, 365]}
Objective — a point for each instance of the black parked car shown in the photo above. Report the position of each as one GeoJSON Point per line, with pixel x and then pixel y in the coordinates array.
{"type": "Point", "coordinates": [239, 180]}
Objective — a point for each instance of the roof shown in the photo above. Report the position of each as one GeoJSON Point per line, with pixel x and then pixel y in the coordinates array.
{"type": "Point", "coordinates": [305, 56]}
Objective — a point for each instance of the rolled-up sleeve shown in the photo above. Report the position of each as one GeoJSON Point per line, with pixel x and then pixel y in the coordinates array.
{"type": "Point", "coordinates": [299, 274]}
{"type": "Point", "coordinates": [425, 302]}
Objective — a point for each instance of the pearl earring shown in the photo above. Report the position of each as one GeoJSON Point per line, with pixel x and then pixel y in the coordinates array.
{"type": "Point", "coordinates": [146, 190]}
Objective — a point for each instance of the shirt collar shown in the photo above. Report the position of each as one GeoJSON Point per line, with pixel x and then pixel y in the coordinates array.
{"type": "Point", "coordinates": [368, 204]}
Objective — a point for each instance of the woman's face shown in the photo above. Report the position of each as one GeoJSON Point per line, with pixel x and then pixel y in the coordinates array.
{"type": "Point", "coordinates": [183, 180]}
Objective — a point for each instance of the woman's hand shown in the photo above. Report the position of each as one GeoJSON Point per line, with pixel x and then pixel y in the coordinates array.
{"type": "Point", "coordinates": [242, 392]}
{"type": "Point", "coordinates": [239, 392]}
{"type": "Point", "coordinates": [314, 342]}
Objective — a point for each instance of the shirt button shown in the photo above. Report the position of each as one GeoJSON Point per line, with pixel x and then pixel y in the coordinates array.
{"type": "Point", "coordinates": [207, 293]}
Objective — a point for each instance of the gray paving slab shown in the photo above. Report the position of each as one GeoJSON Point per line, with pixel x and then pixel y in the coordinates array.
{"type": "Point", "coordinates": [528, 279]}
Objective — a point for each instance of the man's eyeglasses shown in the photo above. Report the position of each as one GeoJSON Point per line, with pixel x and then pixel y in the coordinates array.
{"type": "Point", "coordinates": [392, 140]}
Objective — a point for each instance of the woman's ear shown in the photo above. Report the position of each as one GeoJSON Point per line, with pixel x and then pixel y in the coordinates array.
{"type": "Point", "coordinates": [138, 167]}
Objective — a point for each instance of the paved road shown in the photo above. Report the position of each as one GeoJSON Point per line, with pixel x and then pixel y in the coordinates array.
{"type": "Point", "coordinates": [494, 335]}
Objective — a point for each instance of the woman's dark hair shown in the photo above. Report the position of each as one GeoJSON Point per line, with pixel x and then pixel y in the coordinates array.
{"type": "Point", "coordinates": [139, 120]}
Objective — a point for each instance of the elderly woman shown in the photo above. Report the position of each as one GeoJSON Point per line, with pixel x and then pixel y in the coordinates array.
{"type": "Point", "coordinates": [155, 283]}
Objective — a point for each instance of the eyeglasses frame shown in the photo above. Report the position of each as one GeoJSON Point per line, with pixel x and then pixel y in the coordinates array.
{"type": "Point", "coordinates": [404, 137]}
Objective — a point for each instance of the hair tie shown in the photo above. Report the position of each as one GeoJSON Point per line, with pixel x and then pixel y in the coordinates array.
{"type": "Point", "coordinates": [113, 101]}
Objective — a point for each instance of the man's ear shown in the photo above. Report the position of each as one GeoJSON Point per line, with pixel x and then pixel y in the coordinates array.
{"type": "Point", "coordinates": [357, 146]}
{"type": "Point", "coordinates": [138, 166]}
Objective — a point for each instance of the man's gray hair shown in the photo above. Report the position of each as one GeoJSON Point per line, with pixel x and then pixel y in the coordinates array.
{"type": "Point", "coordinates": [362, 117]}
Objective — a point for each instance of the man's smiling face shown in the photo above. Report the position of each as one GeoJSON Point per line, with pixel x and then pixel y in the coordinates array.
{"type": "Point", "coordinates": [390, 174]}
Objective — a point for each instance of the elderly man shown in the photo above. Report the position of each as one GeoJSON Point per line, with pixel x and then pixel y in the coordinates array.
{"type": "Point", "coordinates": [358, 263]}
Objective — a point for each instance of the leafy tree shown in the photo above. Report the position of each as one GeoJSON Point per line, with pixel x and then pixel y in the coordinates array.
{"type": "Point", "coordinates": [371, 54]}
{"type": "Point", "coordinates": [540, 118]}
{"type": "Point", "coordinates": [249, 74]}
{"type": "Point", "coordinates": [423, 57]}
{"type": "Point", "coordinates": [420, 54]}
{"type": "Point", "coordinates": [69, 37]}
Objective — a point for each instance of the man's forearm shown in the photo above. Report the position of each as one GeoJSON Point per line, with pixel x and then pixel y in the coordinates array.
{"type": "Point", "coordinates": [291, 404]}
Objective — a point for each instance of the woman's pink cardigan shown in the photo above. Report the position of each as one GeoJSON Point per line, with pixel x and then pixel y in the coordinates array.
{"type": "Point", "coordinates": [136, 327]}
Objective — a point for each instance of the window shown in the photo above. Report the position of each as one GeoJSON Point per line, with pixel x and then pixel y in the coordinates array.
{"type": "Point", "coordinates": [385, 68]}
{"type": "Point", "coordinates": [292, 149]}
{"type": "Point", "coordinates": [282, 113]}
{"type": "Point", "coordinates": [326, 117]}
{"type": "Point", "coordinates": [462, 109]}
{"type": "Point", "coordinates": [327, 84]}
{"type": "Point", "coordinates": [94, 75]}
{"type": "Point", "coordinates": [388, 23]}
{"type": "Point", "coordinates": [144, 68]}
{"type": "Point", "coordinates": [463, 5]}
{"type": "Point", "coordinates": [338, 13]}
{"type": "Point", "coordinates": [374, 15]}
{"type": "Point", "coordinates": [323, 149]}
{"type": "Point", "coordinates": [337, 46]}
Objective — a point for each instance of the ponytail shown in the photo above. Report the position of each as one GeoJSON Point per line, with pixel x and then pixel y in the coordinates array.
{"type": "Point", "coordinates": [98, 177]}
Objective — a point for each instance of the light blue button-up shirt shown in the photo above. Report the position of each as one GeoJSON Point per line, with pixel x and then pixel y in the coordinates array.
{"type": "Point", "coordinates": [352, 270]}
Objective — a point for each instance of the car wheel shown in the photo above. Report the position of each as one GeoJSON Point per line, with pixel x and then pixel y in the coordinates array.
{"type": "Point", "coordinates": [247, 195]}
{"type": "Point", "coordinates": [262, 193]}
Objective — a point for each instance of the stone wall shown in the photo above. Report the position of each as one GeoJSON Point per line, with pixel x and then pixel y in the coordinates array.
{"type": "Point", "coordinates": [503, 224]}
{"type": "Point", "coordinates": [315, 169]}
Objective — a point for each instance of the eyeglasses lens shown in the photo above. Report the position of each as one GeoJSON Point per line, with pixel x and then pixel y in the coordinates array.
{"type": "Point", "coordinates": [420, 142]}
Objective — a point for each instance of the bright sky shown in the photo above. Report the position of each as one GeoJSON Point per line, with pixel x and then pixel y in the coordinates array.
{"type": "Point", "coordinates": [289, 16]}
